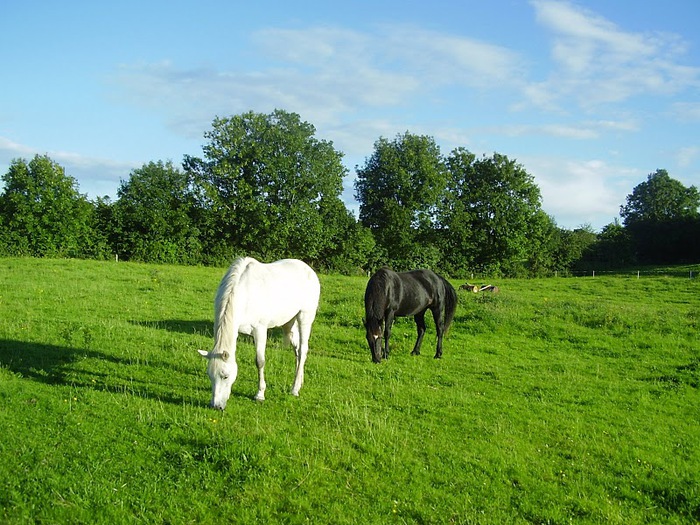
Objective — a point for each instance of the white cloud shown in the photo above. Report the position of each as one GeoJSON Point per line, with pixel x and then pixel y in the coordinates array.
{"type": "Point", "coordinates": [11, 149]}
{"type": "Point", "coordinates": [439, 59]}
{"type": "Point", "coordinates": [580, 192]}
{"type": "Point", "coordinates": [321, 73]}
{"type": "Point", "coordinates": [597, 62]}
{"type": "Point", "coordinates": [95, 176]}
{"type": "Point", "coordinates": [328, 75]}
{"type": "Point", "coordinates": [686, 111]}
{"type": "Point", "coordinates": [585, 130]}
{"type": "Point", "coordinates": [687, 156]}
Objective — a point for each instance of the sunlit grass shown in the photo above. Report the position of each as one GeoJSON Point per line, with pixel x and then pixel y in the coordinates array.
{"type": "Point", "coordinates": [556, 400]}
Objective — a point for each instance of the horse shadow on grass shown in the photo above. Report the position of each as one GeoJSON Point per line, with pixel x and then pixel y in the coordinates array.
{"type": "Point", "coordinates": [48, 364]}
{"type": "Point", "coordinates": [65, 366]}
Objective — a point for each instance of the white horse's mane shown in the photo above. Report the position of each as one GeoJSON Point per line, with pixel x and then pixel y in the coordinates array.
{"type": "Point", "coordinates": [224, 304]}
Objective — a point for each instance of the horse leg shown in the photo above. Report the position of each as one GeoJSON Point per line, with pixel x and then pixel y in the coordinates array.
{"type": "Point", "coordinates": [440, 329]}
{"type": "Point", "coordinates": [291, 332]}
{"type": "Point", "coordinates": [260, 337]}
{"type": "Point", "coordinates": [303, 328]}
{"type": "Point", "coordinates": [420, 325]}
{"type": "Point", "coordinates": [388, 321]}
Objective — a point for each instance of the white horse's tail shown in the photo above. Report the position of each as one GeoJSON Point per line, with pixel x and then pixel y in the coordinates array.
{"type": "Point", "coordinates": [224, 309]}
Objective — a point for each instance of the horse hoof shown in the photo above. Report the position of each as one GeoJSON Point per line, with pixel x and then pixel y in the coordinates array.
{"type": "Point", "coordinates": [259, 398]}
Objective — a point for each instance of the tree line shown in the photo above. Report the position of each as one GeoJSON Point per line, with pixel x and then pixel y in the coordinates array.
{"type": "Point", "coordinates": [267, 187]}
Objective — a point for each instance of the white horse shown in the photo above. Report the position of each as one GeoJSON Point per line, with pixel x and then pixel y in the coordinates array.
{"type": "Point", "coordinates": [252, 298]}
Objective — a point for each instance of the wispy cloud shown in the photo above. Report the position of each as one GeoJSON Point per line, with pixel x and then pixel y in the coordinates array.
{"type": "Point", "coordinates": [596, 62]}
{"type": "Point", "coordinates": [332, 75]}
{"type": "Point", "coordinates": [687, 156]}
{"type": "Point", "coordinates": [686, 111]}
{"type": "Point", "coordinates": [11, 149]}
{"type": "Point", "coordinates": [103, 174]}
{"type": "Point", "coordinates": [326, 74]}
{"type": "Point", "coordinates": [439, 59]}
{"type": "Point", "coordinates": [585, 130]}
{"type": "Point", "coordinates": [588, 191]}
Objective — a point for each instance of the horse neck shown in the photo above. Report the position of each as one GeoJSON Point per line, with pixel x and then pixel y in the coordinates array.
{"type": "Point", "coordinates": [375, 306]}
{"type": "Point", "coordinates": [373, 325]}
{"type": "Point", "coordinates": [225, 329]}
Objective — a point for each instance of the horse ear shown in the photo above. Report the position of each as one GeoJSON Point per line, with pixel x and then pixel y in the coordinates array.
{"type": "Point", "coordinates": [203, 353]}
{"type": "Point", "coordinates": [224, 355]}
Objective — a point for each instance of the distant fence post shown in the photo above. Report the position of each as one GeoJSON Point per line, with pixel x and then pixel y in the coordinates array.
{"type": "Point", "coordinates": [593, 273]}
{"type": "Point", "coordinates": [637, 274]}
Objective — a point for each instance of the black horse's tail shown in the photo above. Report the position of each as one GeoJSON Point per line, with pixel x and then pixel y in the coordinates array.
{"type": "Point", "coordinates": [450, 303]}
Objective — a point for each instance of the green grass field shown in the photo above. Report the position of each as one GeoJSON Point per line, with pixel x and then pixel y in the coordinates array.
{"type": "Point", "coordinates": [556, 401]}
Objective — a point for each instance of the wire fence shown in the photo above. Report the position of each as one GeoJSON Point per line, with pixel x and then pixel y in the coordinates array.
{"type": "Point", "coordinates": [684, 272]}
{"type": "Point", "coordinates": [666, 272]}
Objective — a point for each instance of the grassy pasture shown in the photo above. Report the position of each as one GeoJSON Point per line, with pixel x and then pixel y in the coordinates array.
{"type": "Point", "coordinates": [556, 401]}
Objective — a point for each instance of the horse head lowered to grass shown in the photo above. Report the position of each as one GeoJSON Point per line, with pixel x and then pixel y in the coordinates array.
{"type": "Point", "coordinates": [252, 298]}
{"type": "Point", "coordinates": [390, 294]}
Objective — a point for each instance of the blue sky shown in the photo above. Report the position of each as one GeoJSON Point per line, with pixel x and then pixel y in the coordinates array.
{"type": "Point", "coordinates": [589, 96]}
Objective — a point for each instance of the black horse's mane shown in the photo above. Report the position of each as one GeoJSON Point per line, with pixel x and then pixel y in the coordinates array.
{"type": "Point", "coordinates": [376, 293]}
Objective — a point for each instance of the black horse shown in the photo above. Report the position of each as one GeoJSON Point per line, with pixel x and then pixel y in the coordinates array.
{"type": "Point", "coordinates": [390, 294]}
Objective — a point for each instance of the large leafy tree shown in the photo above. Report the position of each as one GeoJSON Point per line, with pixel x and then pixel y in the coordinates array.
{"type": "Point", "coordinates": [270, 188]}
{"type": "Point", "coordinates": [399, 189]}
{"type": "Point", "coordinates": [42, 213]}
{"type": "Point", "coordinates": [460, 243]}
{"type": "Point", "coordinates": [659, 199]}
{"type": "Point", "coordinates": [491, 217]}
{"type": "Point", "coordinates": [661, 216]}
{"type": "Point", "coordinates": [154, 217]}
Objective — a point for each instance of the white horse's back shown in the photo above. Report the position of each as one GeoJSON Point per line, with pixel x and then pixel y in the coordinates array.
{"type": "Point", "coordinates": [275, 293]}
